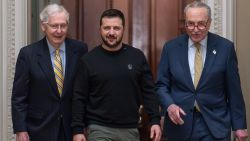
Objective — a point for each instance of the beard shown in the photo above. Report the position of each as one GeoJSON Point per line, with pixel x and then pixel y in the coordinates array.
{"type": "Point", "coordinates": [116, 44]}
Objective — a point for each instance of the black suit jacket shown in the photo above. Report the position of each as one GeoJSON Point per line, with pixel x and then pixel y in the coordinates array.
{"type": "Point", "coordinates": [36, 105]}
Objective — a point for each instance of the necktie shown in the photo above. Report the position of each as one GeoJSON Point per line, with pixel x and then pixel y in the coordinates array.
{"type": "Point", "coordinates": [198, 65]}
{"type": "Point", "coordinates": [58, 69]}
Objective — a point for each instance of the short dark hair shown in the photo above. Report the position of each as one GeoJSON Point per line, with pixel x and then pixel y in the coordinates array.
{"type": "Point", "coordinates": [111, 13]}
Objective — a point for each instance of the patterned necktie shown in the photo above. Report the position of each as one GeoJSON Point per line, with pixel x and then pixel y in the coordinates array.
{"type": "Point", "coordinates": [198, 65]}
{"type": "Point", "coordinates": [58, 69]}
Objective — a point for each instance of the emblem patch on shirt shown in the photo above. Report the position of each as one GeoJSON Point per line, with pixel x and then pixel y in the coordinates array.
{"type": "Point", "coordinates": [130, 66]}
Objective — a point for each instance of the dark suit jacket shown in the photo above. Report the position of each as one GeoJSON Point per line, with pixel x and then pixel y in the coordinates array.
{"type": "Point", "coordinates": [36, 104]}
{"type": "Point", "coordinates": [218, 93]}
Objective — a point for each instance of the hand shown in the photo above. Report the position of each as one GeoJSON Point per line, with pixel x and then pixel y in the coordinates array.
{"type": "Point", "coordinates": [174, 113]}
{"type": "Point", "coordinates": [155, 132]}
{"type": "Point", "coordinates": [22, 136]}
{"type": "Point", "coordinates": [79, 137]}
{"type": "Point", "coordinates": [241, 135]}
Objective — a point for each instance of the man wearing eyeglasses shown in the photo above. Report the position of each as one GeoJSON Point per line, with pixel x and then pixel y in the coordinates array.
{"type": "Point", "coordinates": [42, 88]}
{"type": "Point", "coordinates": [198, 83]}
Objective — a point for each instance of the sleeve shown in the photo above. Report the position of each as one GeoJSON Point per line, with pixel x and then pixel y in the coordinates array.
{"type": "Point", "coordinates": [234, 92]}
{"type": "Point", "coordinates": [163, 81]}
{"type": "Point", "coordinates": [150, 100]}
{"type": "Point", "coordinates": [20, 92]}
{"type": "Point", "coordinates": [79, 100]}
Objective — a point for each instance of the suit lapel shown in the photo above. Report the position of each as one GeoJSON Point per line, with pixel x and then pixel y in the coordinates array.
{"type": "Point", "coordinates": [183, 50]}
{"type": "Point", "coordinates": [71, 57]}
{"type": "Point", "coordinates": [210, 57]}
{"type": "Point", "coordinates": [44, 61]}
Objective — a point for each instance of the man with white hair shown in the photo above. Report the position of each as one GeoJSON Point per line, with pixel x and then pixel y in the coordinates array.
{"type": "Point", "coordinates": [42, 88]}
{"type": "Point", "coordinates": [198, 83]}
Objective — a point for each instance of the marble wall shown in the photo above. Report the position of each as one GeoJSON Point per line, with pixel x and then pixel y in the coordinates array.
{"type": "Point", "coordinates": [13, 34]}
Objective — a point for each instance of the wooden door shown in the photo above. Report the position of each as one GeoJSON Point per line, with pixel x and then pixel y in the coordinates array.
{"type": "Point", "coordinates": [85, 15]}
{"type": "Point", "coordinates": [149, 23]}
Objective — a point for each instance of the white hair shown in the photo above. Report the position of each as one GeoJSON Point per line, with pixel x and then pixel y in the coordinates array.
{"type": "Point", "coordinates": [198, 4]}
{"type": "Point", "coordinates": [52, 9]}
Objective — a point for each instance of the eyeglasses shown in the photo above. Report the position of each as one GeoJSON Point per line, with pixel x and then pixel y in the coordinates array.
{"type": "Point", "coordinates": [200, 25]}
{"type": "Point", "coordinates": [57, 26]}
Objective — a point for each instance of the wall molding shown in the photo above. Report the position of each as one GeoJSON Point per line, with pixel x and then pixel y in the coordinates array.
{"type": "Point", "coordinates": [223, 17]}
{"type": "Point", "coordinates": [13, 27]}
{"type": "Point", "coordinates": [8, 45]}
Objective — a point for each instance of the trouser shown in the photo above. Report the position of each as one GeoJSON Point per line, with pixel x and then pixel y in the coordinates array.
{"type": "Point", "coordinates": [103, 133]}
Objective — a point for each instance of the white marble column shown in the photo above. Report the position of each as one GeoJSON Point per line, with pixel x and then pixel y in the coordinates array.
{"type": "Point", "coordinates": [13, 33]}
{"type": "Point", "coordinates": [223, 17]}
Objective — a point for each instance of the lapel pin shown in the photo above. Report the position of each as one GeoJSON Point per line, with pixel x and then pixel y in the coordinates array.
{"type": "Point", "coordinates": [214, 52]}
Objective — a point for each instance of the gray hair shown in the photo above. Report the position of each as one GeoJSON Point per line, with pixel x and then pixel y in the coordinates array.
{"type": "Point", "coordinates": [52, 9]}
{"type": "Point", "coordinates": [198, 4]}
